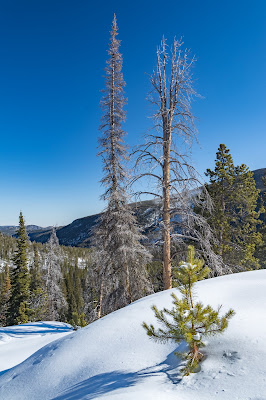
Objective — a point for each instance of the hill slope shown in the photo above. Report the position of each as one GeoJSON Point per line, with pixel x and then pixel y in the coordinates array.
{"type": "Point", "coordinates": [78, 232]}
{"type": "Point", "coordinates": [114, 359]}
{"type": "Point", "coordinates": [258, 174]}
{"type": "Point", "coordinates": [20, 341]}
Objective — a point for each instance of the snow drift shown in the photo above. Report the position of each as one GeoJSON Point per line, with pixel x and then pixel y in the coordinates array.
{"type": "Point", "coordinates": [114, 358]}
{"type": "Point", "coordinates": [20, 341]}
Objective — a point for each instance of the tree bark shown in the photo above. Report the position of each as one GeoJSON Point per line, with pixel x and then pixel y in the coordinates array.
{"type": "Point", "coordinates": [167, 276]}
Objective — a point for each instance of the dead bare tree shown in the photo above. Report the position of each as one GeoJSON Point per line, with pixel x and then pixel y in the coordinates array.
{"type": "Point", "coordinates": [165, 156]}
{"type": "Point", "coordinates": [121, 256]}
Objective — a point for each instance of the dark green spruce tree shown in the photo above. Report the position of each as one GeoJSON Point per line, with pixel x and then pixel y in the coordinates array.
{"type": "Point", "coordinates": [74, 296]}
{"type": "Point", "coordinates": [19, 311]}
{"type": "Point", "coordinates": [235, 216]}
{"type": "Point", "coordinates": [5, 296]}
{"type": "Point", "coordinates": [221, 191]}
{"type": "Point", "coordinates": [188, 320]}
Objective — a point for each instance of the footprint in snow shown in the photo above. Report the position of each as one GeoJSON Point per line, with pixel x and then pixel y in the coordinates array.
{"type": "Point", "coordinates": [231, 356]}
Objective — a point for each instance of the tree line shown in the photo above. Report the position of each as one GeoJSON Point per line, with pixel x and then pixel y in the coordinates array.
{"type": "Point", "coordinates": [45, 282]}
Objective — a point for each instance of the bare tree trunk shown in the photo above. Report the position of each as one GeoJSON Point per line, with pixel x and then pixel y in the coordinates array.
{"type": "Point", "coordinates": [166, 110]}
{"type": "Point", "coordinates": [167, 276]}
{"type": "Point", "coordinates": [99, 312]}
{"type": "Point", "coordinates": [172, 95]}
{"type": "Point", "coordinates": [128, 288]}
{"type": "Point", "coordinates": [221, 233]}
{"type": "Point", "coordinates": [165, 157]}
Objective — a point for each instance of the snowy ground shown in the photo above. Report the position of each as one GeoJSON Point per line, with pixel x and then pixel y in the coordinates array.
{"type": "Point", "coordinates": [19, 342]}
{"type": "Point", "coordinates": [113, 359]}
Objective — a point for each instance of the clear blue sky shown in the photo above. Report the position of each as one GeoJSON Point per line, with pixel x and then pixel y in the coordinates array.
{"type": "Point", "coordinates": [51, 73]}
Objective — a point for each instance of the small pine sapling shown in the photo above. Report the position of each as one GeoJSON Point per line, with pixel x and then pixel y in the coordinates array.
{"type": "Point", "coordinates": [190, 321]}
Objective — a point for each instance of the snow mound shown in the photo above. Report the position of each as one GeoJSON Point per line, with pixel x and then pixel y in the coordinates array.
{"type": "Point", "coordinates": [114, 359]}
{"type": "Point", "coordinates": [20, 341]}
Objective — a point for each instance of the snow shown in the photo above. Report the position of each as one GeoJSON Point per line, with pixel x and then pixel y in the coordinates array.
{"type": "Point", "coordinates": [113, 358]}
{"type": "Point", "coordinates": [197, 336]}
{"type": "Point", "coordinates": [20, 341]}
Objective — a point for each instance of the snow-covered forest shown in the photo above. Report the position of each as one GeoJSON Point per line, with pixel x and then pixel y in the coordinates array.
{"type": "Point", "coordinates": [210, 230]}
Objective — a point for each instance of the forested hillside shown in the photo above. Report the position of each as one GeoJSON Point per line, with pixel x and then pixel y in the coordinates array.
{"type": "Point", "coordinates": [76, 287]}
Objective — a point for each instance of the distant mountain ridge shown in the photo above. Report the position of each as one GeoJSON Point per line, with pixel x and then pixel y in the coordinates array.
{"type": "Point", "coordinates": [11, 230]}
{"type": "Point", "coordinates": [78, 232]}
{"type": "Point", "coordinates": [258, 174]}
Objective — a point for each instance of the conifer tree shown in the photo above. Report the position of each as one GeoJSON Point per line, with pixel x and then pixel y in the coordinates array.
{"type": "Point", "coordinates": [38, 295]}
{"type": "Point", "coordinates": [234, 218]}
{"type": "Point", "coordinates": [75, 301]}
{"type": "Point", "coordinates": [5, 296]}
{"type": "Point", "coordinates": [19, 310]}
{"type": "Point", "coordinates": [35, 274]}
{"type": "Point", "coordinates": [221, 191]}
{"type": "Point", "coordinates": [122, 258]}
{"type": "Point", "coordinates": [189, 320]}
{"type": "Point", "coordinates": [78, 320]}
{"type": "Point", "coordinates": [53, 278]}
{"type": "Point", "coordinates": [261, 249]}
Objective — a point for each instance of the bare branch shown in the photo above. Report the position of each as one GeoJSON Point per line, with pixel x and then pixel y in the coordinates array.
{"type": "Point", "coordinates": [169, 149]}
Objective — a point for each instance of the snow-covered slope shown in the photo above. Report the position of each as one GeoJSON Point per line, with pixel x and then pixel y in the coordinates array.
{"type": "Point", "coordinates": [19, 342]}
{"type": "Point", "coordinates": [114, 359]}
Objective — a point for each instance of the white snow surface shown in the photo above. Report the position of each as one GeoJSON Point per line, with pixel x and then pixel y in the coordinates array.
{"type": "Point", "coordinates": [20, 341]}
{"type": "Point", "coordinates": [114, 359]}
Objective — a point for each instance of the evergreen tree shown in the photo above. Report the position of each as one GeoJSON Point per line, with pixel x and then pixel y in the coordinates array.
{"type": "Point", "coordinates": [38, 295]}
{"type": "Point", "coordinates": [19, 310]}
{"type": "Point", "coordinates": [221, 191]}
{"type": "Point", "coordinates": [234, 218]}
{"type": "Point", "coordinates": [8, 246]}
{"type": "Point", "coordinates": [53, 279]}
{"type": "Point", "coordinates": [122, 258]}
{"type": "Point", "coordinates": [85, 278]}
{"type": "Point", "coordinates": [5, 296]}
{"type": "Point", "coordinates": [74, 296]}
{"type": "Point", "coordinates": [190, 320]}
{"type": "Point", "coordinates": [35, 274]}
{"type": "Point", "coordinates": [261, 249]}
{"type": "Point", "coordinates": [78, 320]}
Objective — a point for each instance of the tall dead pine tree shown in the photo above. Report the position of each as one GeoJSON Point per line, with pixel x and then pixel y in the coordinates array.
{"type": "Point", "coordinates": [165, 156]}
{"type": "Point", "coordinates": [122, 258]}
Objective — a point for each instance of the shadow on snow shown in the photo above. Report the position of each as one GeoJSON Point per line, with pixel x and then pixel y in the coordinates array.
{"type": "Point", "coordinates": [34, 329]}
{"type": "Point", "coordinates": [101, 384]}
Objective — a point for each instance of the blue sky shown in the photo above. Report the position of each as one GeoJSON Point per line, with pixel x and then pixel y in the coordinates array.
{"type": "Point", "coordinates": [51, 73]}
